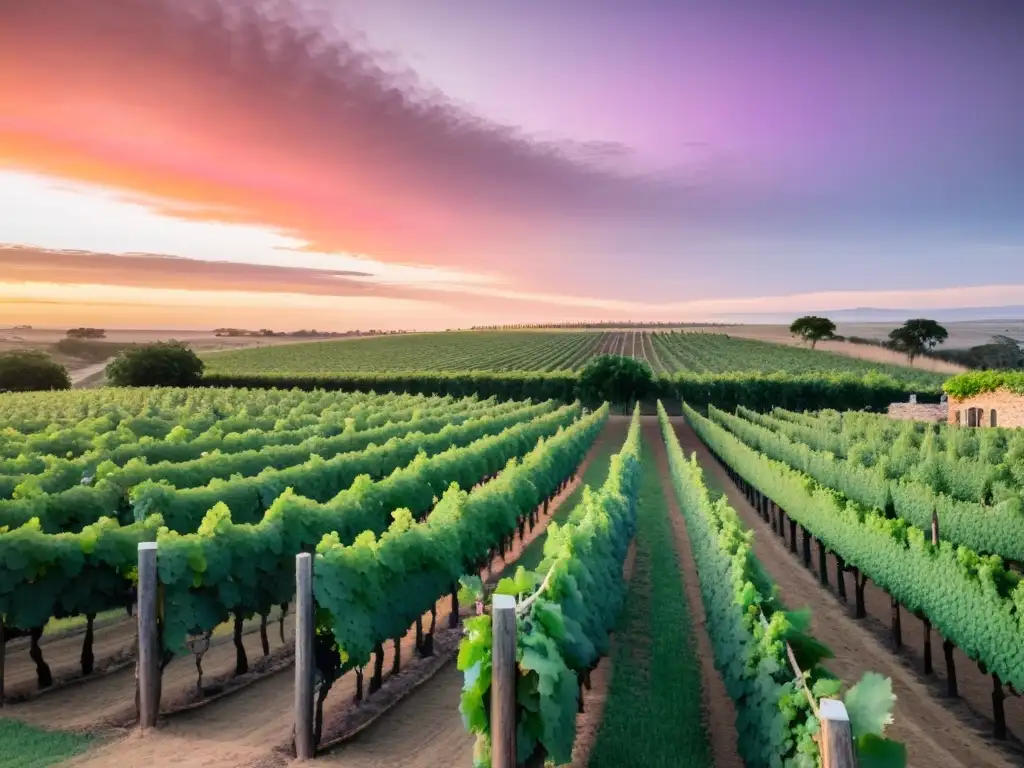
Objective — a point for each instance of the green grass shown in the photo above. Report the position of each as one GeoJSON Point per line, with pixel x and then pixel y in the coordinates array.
{"type": "Point", "coordinates": [23, 746]}
{"type": "Point", "coordinates": [594, 476]}
{"type": "Point", "coordinates": [55, 626]}
{"type": "Point", "coordinates": [653, 714]}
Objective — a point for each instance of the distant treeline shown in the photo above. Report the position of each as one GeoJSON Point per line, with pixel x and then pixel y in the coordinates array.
{"type": "Point", "coordinates": [594, 326]}
{"type": "Point", "coordinates": [311, 334]}
{"type": "Point", "coordinates": [1002, 353]}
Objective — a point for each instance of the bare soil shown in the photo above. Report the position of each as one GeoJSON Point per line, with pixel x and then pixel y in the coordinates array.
{"type": "Point", "coordinates": [719, 713]}
{"type": "Point", "coordinates": [107, 701]}
{"type": "Point", "coordinates": [934, 736]}
{"type": "Point", "coordinates": [253, 726]}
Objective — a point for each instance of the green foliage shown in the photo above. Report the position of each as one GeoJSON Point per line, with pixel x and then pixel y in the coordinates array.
{"type": "Point", "coordinates": [974, 601]}
{"type": "Point", "coordinates": [813, 329]}
{"type": "Point", "coordinates": [185, 490]}
{"type": "Point", "coordinates": [223, 566]}
{"type": "Point", "coordinates": [975, 383]}
{"type": "Point", "coordinates": [163, 364]}
{"type": "Point", "coordinates": [25, 746]}
{"type": "Point", "coordinates": [31, 370]}
{"type": "Point", "coordinates": [915, 337]}
{"type": "Point", "coordinates": [615, 379]}
{"type": "Point", "coordinates": [655, 710]}
{"type": "Point", "coordinates": [373, 588]}
{"type": "Point", "coordinates": [969, 479]}
{"type": "Point", "coordinates": [775, 722]}
{"type": "Point", "coordinates": [564, 629]}
{"type": "Point", "coordinates": [761, 391]}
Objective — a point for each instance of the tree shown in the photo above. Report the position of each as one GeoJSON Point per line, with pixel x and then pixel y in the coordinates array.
{"type": "Point", "coordinates": [915, 337]}
{"type": "Point", "coordinates": [164, 364]}
{"type": "Point", "coordinates": [30, 370]}
{"type": "Point", "coordinates": [617, 379]}
{"type": "Point", "coordinates": [86, 333]}
{"type": "Point", "coordinates": [813, 329]}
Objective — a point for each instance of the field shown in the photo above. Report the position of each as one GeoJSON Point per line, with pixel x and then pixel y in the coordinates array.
{"type": "Point", "coordinates": [540, 351]}
{"type": "Point", "coordinates": [667, 561]}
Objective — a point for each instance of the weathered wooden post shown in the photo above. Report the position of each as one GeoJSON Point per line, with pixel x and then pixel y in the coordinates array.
{"type": "Point", "coordinates": [836, 735]}
{"type": "Point", "coordinates": [148, 659]}
{"type": "Point", "coordinates": [305, 665]}
{"type": "Point", "coordinates": [503, 682]}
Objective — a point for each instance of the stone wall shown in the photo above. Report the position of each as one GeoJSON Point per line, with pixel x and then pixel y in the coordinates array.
{"type": "Point", "coordinates": [1009, 409]}
{"type": "Point", "coordinates": [918, 411]}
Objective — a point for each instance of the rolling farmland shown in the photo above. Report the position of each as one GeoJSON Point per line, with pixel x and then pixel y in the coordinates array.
{"type": "Point", "coordinates": [547, 351]}
{"type": "Point", "coordinates": [645, 595]}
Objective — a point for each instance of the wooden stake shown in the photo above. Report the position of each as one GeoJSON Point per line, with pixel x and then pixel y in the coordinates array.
{"type": "Point", "coordinates": [792, 535]}
{"type": "Point", "coordinates": [503, 682]}
{"type": "Point", "coordinates": [305, 664]}
{"type": "Point", "coordinates": [836, 736]}
{"type": "Point", "coordinates": [822, 562]}
{"type": "Point", "coordinates": [807, 548]}
{"type": "Point", "coordinates": [148, 658]}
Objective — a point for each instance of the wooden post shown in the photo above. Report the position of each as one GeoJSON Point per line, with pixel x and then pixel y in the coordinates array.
{"type": "Point", "coordinates": [836, 735]}
{"type": "Point", "coordinates": [148, 659]}
{"type": "Point", "coordinates": [807, 548]}
{"type": "Point", "coordinates": [823, 562]}
{"type": "Point", "coordinates": [503, 682]}
{"type": "Point", "coordinates": [792, 535]}
{"type": "Point", "coordinates": [305, 664]}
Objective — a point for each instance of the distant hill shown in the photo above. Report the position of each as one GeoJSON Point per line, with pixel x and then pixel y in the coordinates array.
{"type": "Point", "coordinates": [874, 315]}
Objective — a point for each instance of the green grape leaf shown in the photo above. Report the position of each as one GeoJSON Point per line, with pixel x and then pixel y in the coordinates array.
{"type": "Point", "coordinates": [878, 752]}
{"type": "Point", "coordinates": [869, 704]}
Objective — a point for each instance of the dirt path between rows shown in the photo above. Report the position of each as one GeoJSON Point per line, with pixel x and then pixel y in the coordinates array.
{"type": "Point", "coordinates": [111, 642]}
{"type": "Point", "coordinates": [719, 712]}
{"type": "Point", "coordinates": [254, 725]}
{"type": "Point", "coordinates": [108, 700]}
{"type": "Point", "coordinates": [934, 737]}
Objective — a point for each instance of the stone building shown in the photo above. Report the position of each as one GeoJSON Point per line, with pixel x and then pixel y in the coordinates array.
{"type": "Point", "coordinates": [1001, 408]}
{"type": "Point", "coordinates": [915, 411]}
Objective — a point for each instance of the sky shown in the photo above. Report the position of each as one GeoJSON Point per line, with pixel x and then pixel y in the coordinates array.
{"type": "Point", "coordinates": [446, 163]}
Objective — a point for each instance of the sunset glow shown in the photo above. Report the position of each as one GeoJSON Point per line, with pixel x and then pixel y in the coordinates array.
{"type": "Point", "coordinates": [283, 163]}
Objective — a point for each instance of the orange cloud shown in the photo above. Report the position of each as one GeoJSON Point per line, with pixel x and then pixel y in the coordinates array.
{"type": "Point", "coordinates": [248, 117]}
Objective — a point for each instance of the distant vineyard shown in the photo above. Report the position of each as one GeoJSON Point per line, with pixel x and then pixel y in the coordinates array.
{"type": "Point", "coordinates": [547, 352]}
{"type": "Point", "coordinates": [459, 351]}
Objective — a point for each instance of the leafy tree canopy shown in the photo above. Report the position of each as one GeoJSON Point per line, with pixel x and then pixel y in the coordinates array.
{"type": "Point", "coordinates": [31, 370]}
{"type": "Point", "coordinates": [813, 329]}
{"type": "Point", "coordinates": [915, 337]}
{"type": "Point", "coordinates": [614, 378]}
{"type": "Point", "coordinates": [164, 364]}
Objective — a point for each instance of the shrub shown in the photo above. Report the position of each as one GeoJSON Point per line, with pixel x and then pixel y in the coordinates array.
{"type": "Point", "coordinates": [31, 370]}
{"type": "Point", "coordinates": [616, 379]}
{"type": "Point", "coordinates": [164, 364]}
